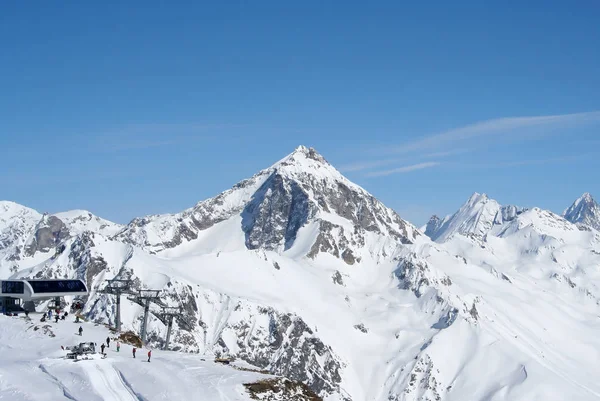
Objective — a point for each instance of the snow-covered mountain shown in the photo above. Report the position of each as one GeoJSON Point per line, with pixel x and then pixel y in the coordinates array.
{"type": "Point", "coordinates": [585, 211]}
{"type": "Point", "coordinates": [478, 216]}
{"type": "Point", "coordinates": [28, 237]}
{"type": "Point", "coordinates": [300, 191]}
{"type": "Point", "coordinates": [300, 272]}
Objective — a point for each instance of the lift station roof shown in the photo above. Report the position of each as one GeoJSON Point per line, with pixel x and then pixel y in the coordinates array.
{"type": "Point", "coordinates": [31, 289]}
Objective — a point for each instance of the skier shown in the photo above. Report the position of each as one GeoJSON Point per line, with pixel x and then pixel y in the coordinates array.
{"type": "Point", "coordinates": [26, 313]}
{"type": "Point", "coordinates": [56, 317]}
{"type": "Point", "coordinates": [118, 346]}
{"type": "Point", "coordinates": [43, 319]}
{"type": "Point", "coordinates": [149, 354]}
{"type": "Point", "coordinates": [76, 319]}
{"type": "Point", "coordinates": [133, 351]}
{"type": "Point", "coordinates": [66, 314]}
{"type": "Point", "coordinates": [102, 348]}
{"type": "Point", "coordinates": [50, 314]}
{"type": "Point", "coordinates": [80, 330]}
{"type": "Point", "coordinates": [107, 342]}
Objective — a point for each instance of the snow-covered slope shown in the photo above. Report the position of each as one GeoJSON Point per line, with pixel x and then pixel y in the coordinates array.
{"type": "Point", "coordinates": [585, 211]}
{"type": "Point", "coordinates": [33, 368]}
{"type": "Point", "coordinates": [302, 273]}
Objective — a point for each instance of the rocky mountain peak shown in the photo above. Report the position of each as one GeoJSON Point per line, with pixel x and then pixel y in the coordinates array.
{"type": "Point", "coordinates": [478, 198]}
{"type": "Point", "coordinates": [433, 225]}
{"type": "Point", "coordinates": [307, 165]}
{"type": "Point", "coordinates": [477, 216]}
{"type": "Point", "coordinates": [301, 189]}
{"type": "Point", "coordinates": [303, 152]}
{"type": "Point", "coordinates": [585, 211]}
{"type": "Point", "coordinates": [587, 197]}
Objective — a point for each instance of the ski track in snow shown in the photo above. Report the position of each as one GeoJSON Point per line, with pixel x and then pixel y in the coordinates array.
{"type": "Point", "coordinates": [107, 382]}
{"type": "Point", "coordinates": [65, 391]}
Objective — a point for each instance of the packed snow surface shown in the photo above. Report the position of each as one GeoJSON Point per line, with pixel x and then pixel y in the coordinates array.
{"type": "Point", "coordinates": [33, 367]}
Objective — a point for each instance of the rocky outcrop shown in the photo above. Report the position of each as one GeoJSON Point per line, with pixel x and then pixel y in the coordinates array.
{"type": "Point", "coordinates": [333, 239]}
{"type": "Point", "coordinates": [280, 389]}
{"type": "Point", "coordinates": [585, 212]}
{"type": "Point", "coordinates": [276, 212]}
{"type": "Point", "coordinates": [50, 232]}
{"type": "Point", "coordinates": [433, 226]}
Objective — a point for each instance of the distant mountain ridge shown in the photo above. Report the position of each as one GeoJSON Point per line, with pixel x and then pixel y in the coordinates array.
{"type": "Point", "coordinates": [481, 215]}
{"type": "Point", "coordinates": [477, 216]}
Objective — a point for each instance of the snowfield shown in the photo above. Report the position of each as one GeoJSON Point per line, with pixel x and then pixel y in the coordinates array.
{"type": "Point", "coordinates": [32, 367]}
{"type": "Point", "coordinates": [299, 272]}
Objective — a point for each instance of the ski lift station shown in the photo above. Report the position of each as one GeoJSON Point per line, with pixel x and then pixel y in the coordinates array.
{"type": "Point", "coordinates": [15, 293]}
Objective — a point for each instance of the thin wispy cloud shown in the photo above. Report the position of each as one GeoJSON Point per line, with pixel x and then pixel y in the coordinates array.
{"type": "Point", "coordinates": [370, 165]}
{"type": "Point", "coordinates": [360, 166]}
{"type": "Point", "coordinates": [550, 160]}
{"type": "Point", "coordinates": [446, 153]}
{"type": "Point", "coordinates": [401, 170]}
{"type": "Point", "coordinates": [497, 127]}
{"type": "Point", "coordinates": [484, 134]}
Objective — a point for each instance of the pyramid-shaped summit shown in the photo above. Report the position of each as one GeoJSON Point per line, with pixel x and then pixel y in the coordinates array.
{"type": "Point", "coordinates": [585, 211]}
{"type": "Point", "coordinates": [300, 190]}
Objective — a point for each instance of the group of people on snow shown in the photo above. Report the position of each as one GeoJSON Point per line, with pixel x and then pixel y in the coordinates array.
{"type": "Point", "coordinates": [103, 347]}
{"type": "Point", "coordinates": [57, 316]}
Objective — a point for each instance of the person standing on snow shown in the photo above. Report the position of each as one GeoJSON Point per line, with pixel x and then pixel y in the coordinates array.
{"type": "Point", "coordinates": [107, 342]}
{"type": "Point", "coordinates": [149, 354]}
{"type": "Point", "coordinates": [102, 348]}
{"type": "Point", "coordinates": [118, 346]}
{"type": "Point", "coordinates": [133, 351]}
{"type": "Point", "coordinates": [80, 330]}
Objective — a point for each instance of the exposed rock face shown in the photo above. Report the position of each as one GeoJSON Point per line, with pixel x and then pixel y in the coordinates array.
{"type": "Point", "coordinates": [585, 212]}
{"type": "Point", "coordinates": [422, 382]}
{"type": "Point", "coordinates": [294, 351]}
{"type": "Point", "coordinates": [333, 239]}
{"type": "Point", "coordinates": [276, 212]}
{"type": "Point", "coordinates": [281, 343]}
{"type": "Point", "coordinates": [25, 232]}
{"type": "Point", "coordinates": [417, 276]}
{"type": "Point", "coordinates": [280, 389]}
{"type": "Point", "coordinates": [433, 226]}
{"type": "Point", "coordinates": [50, 232]}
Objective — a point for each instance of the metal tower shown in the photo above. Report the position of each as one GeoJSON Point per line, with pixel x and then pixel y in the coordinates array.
{"type": "Point", "coordinates": [144, 298]}
{"type": "Point", "coordinates": [166, 316]}
{"type": "Point", "coordinates": [117, 287]}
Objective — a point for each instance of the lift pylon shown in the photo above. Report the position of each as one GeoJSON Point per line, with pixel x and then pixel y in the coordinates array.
{"type": "Point", "coordinates": [144, 298]}
{"type": "Point", "coordinates": [166, 315]}
{"type": "Point", "coordinates": [117, 287]}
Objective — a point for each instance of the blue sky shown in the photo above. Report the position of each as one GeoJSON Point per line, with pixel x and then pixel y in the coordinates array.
{"type": "Point", "coordinates": [134, 109]}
